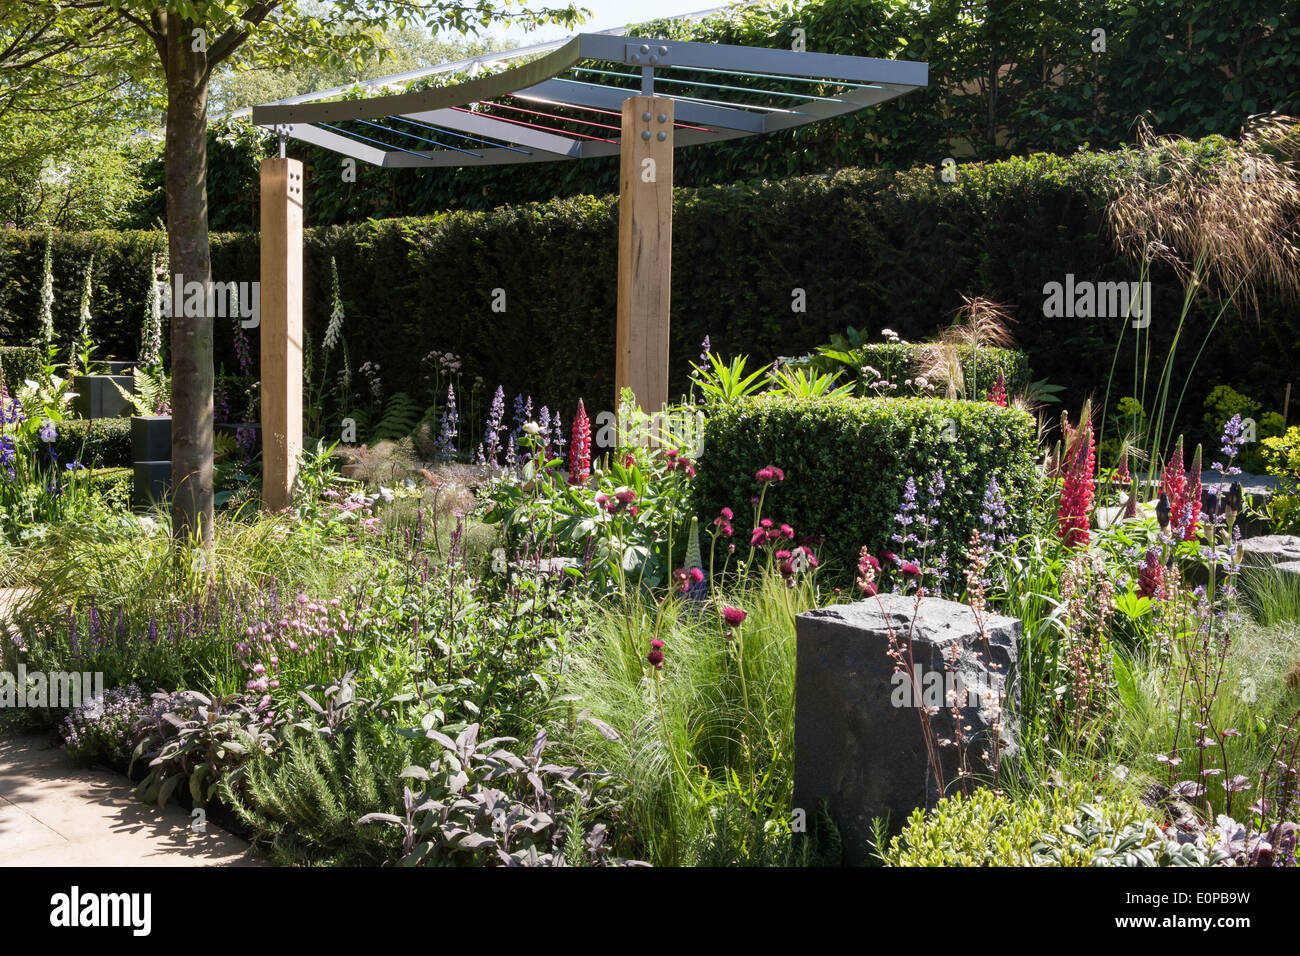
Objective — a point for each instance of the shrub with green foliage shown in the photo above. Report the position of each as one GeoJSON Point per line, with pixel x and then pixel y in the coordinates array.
{"type": "Point", "coordinates": [113, 486]}
{"type": "Point", "coordinates": [869, 248]}
{"type": "Point", "coordinates": [95, 442]}
{"type": "Point", "coordinates": [305, 799]}
{"type": "Point", "coordinates": [1062, 828]}
{"type": "Point", "coordinates": [846, 463]}
{"type": "Point", "coordinates": [18, 363]}
{"type": "Point", "coordinates": [898, 363]}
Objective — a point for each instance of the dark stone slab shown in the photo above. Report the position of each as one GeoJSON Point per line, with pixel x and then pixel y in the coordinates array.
{"type": "Point", "coordinates": [859, 739]}
{"type": "Point", "coordinates": [152, 484]}
{"type": "Point", "coordinates": [97, 398]}
{"type": "Point", "coordinates": [151, 437]}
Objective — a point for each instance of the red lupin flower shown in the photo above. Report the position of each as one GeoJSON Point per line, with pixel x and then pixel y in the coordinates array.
{"type": "Point", "coordinates": [580, 447]}
{"type": "Point", "coordinates": [1073, 517]}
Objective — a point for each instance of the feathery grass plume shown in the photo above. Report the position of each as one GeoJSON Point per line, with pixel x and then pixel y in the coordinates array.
{"type": "Point", "coordinates": [979, 323]}
{"type": "Point", "coordinates": [1225, 226]}
{"type": "Point", "coordinates": [1232, 225]}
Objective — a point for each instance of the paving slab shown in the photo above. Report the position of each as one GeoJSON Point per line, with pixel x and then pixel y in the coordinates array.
{"type": "Point", "coordinates": [54, 812]}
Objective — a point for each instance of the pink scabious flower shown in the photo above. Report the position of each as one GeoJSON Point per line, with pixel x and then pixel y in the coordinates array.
{"type": "Point", "coordinates": [910, 568]}
{"type": "Point", "coordinates": [770, 473]}
{"type": "Point", "coordinates": [679, 462]}
{"type": "Point", "coordinates": [656, 655]}
{"type": "Point", "coordinates": [686, 577]}
{"type": "Point", "coordinates": [723, 522]}
{"type": "Point", "coordinates": [734, 616]}
{"type": "Point", "coordinates": [580, 447]}
{"type": "Point", "coordinates": [1076, 489]}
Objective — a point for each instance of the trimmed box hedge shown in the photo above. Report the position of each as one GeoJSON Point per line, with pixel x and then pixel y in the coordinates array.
{"type": "Point", "coordinates": [113, 485]}
{"type": "Point", "coordinates": [95, 442]}
{"type": "Point", "coordinates": [19, 363]}
{"type": "Point", "coordinates": [900, 361]}
{"type": "Point", "coordinates": [846, 462]}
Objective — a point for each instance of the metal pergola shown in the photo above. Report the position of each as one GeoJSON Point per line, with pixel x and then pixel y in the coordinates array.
{"type": "Point", "coordinates": [598, 94]}
{"type": "Point", "coordinates": [551, 109]}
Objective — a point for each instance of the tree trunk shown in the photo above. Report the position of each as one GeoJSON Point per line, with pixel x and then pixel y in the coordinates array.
{"type": "Point", "coordinates": [187, 243]}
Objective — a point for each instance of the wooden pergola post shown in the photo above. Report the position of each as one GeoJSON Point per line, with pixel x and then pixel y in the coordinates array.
{"type": "Point", "coordinates": [281, 324]}
{"type": "Point", "coordinates": [645, 250]}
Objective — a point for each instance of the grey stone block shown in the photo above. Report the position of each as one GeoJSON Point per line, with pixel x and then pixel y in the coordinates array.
{"type": "Point", "coordinates": [96, 396]}
{"type": "Point", "coordinates": [1270, 549]}
{"type": "Point", "coordinates": [859, 739]}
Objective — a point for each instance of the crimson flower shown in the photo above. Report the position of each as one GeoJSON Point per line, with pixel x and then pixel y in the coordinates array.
{"type": "Point", "coordinates": [999, 394]}
{"type": "Point", "coordinates": [770, 473]}
{"type": "Point", "coordinates": [1076, 490]}
{"type": "Point", "coordinates": [656, 655]}
{"type": "Point", "coordinates": [734, 616]}
{"type": "Point", "coordinates": [685, 578]}
{"type": "Point", "coordinates": [1173, 485]}
{"type": "Point", "coordinates": [580, 447]}
{"type": "Point", "coordinates": [1151, 575]}
{"type": "Point", "coordinates": [679, 462]}
{"type": "Point", "coordinates": [911, 569]}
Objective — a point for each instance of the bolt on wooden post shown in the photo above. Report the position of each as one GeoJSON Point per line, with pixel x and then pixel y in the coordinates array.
{"type": "Point", "coordinates": [281, 324]}
{"type": "Point", "coordinates": [645, 250]}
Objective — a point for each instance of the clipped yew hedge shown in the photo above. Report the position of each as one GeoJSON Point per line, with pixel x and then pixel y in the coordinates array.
{"type": "Point", "coordinates": [846, 462]}
{"type": "Point", "coordinates": [870, 249]}
{"type": "Point", "coordinates": [95, 442]}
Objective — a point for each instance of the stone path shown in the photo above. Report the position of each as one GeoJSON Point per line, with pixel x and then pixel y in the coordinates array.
{"type": "Point", "coordinates": [55, 813]}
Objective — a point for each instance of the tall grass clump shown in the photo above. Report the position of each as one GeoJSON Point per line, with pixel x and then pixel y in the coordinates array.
{"type": "Point", "coordinates": [706, 740]}
{"type": "Point", "coordinates": [1226, 229]}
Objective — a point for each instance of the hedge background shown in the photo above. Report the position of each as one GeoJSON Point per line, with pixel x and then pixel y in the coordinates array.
{"type": "Point", "coordinates": [871, 249]}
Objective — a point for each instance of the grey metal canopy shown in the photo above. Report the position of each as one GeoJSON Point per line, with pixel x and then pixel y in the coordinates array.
{"type": "Point", "coordinates": [567, 103]}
